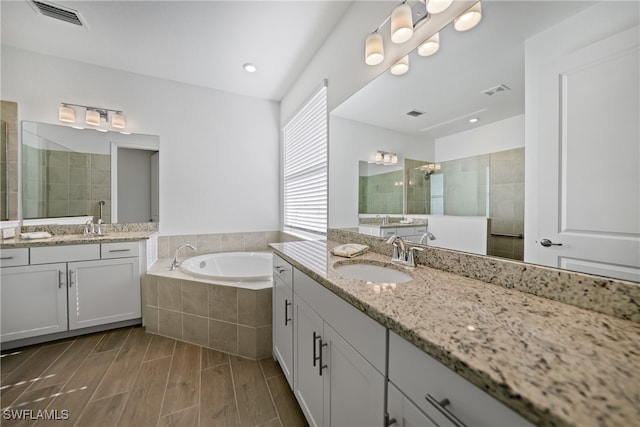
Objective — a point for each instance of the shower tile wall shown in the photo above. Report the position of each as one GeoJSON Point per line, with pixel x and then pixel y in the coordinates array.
{"type": "Point", "coordinates": [465, 186]}
{"type": "Point", "coordinates": [507, 203]}
{"type": "Point", "coordinates": [63, 183]}
{"type": "Point", "coordinates": [418, 188]}
{"type": "Point", "coordinates": [381, 194]}
{"type": "Point", "coordinates": [9, 161]}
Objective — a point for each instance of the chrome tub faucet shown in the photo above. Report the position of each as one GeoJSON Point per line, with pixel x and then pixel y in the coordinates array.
{"type": "Point", "coordinates": [174, 264]}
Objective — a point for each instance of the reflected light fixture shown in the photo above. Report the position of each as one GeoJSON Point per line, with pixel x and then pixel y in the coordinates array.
{"type": "Point", "coordinates": [469, 18]}
{"type": "Point", "coordinates": [93, 116]}
{"type": "Point", "coordinates": [438, 6]}
{"type": "Point", "coordinates": [401, 24]}
{"type": "Point", "coordinates": [400, 67]}
{"type": "Point", "coordinates": [118, 121]}
{"type": "Point", "coordinates": [249, 67]}
{"type": "Point", "coordinates": [429, 46]}
{"type": "Point", "coordinates": [66, 114]}
{"type": "Point", "coordinates": [386, 158]}
{"type": "Point", "coordinates": [374, 49]}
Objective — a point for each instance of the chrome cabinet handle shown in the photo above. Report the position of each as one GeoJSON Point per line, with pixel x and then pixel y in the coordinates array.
{"type": "Point", "coordinates": [6, 257]}
{"type": "Point", "coordinates": [441, 406]}
{"type": "Point", "coordinates": [71, 278]}
{"type": "Point", "coordinates": [60, 279]}
{"type": "Point", "coordinates": [286, 312]}
{"type": "Point", "coordinates": [119, 250]}
{"type": "Point", "coordinates": [280, 269]}
{"type": "Point", "coordinates": [546, 243]}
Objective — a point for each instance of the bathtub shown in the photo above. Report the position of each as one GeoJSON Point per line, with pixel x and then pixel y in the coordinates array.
{"type": "Point", "coordinates": [230, 266]}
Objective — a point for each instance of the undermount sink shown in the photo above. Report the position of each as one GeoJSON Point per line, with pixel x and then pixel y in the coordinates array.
{"type": "Point", "coordinates": [371, 273]}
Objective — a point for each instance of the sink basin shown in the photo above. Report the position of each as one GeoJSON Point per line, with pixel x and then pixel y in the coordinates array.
{"type": "Point", "coordinates": [372, 273]}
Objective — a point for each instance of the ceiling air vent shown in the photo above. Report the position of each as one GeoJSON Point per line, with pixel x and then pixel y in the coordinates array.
{"type": "Point", "coordinates": [58, 12]}
{"type": "Point", "coordinates": [415, 113]}
{"type": "Point", "coordinates": [494, 90]}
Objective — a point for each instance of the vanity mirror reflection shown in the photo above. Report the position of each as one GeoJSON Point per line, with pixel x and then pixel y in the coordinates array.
{"type": "Point", "coordinates": [68, 172]}
{"type": "Point", "coordinates": [550, 206]}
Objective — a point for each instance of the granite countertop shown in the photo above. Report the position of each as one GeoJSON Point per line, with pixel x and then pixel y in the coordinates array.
{"type": "Point", "coordinates": [77, 239]}
{"type": "Point", "coordinates": [554, 363]}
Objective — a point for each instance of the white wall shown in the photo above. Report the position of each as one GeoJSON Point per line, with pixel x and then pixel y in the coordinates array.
{"type": "Point", "coordinates": [219, 152]}
{"type": "Point", "coordinates": [498, 136]}
{"type": "Point", "coordinates": [350, 142]}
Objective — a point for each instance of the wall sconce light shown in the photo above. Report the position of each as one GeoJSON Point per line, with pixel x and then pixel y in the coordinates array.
{"type": "Point", "coordinates": [468, 19]}
{"type": "Point", "coordinates": [429, 169]}
{"type": "Point", "coordinates": [386, 158]}
{"type": "Point", "coordinates": [401, 67]}
{"type": "Point", "coordinates": [374, 49]}
{"type": "Point", "coordinates": [401, 23]}
{"type": "Point", "coordinates": [437, 6]}
{"type": "Point", "coordinates": [429, 46]}
{"type": "Point", "coordinates": [93, 116]}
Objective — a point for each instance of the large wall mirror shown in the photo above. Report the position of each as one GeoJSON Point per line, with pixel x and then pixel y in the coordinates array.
{"type": "Point", "coordinates": [469, 118]}
{"type": "Point", "coordinates": [68, 172]}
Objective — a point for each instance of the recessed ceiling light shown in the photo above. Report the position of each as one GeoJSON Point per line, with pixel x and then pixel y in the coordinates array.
{"type": "Point", "coordinates": [473, 120]}
{"type": "Point", "coordinates": [249, 67]}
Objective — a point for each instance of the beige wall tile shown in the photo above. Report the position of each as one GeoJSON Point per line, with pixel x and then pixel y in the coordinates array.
{"type": "Point", "coordinates": [195, 329]}
{"type": "Point", "coordinates": [246, 307]}
{"type": "Point", "coordinates": [209, 243]}
{"type": "Point", "coordinates": [195, 298]}
{"type": "Point", "coordinates": [223, 303]}
{"type": "Point", "coordinates": [263, 307]}
{"type": "Point", "coordinates": [232, 242]}
{"type": "Point", "coordinates": [169, 293]}
{"type": "Point", "coordinates": [170, 323]}
{"type": "Point", "coordinates": [176, 241]}
{"type": "Point", "coordinates": [223, 336]}
{"type": "Point", "coordinates": [150, 294]}
{"type": "Point", "coordinates": [163, 247]}
{"type": "Point", "coordinates": [256, 241]}
{"type": "Point", "coordinates": [263, 342]}
{"type": "Point", "coordinates": [150, 319]}
{"type": "Point", "coordinates": [247, 342]}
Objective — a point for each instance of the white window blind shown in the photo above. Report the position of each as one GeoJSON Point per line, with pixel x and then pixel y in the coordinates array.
{"type": "Point", "coordinates": [305, 167]}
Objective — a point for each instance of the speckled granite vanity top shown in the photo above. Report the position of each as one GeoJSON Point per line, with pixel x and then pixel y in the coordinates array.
{"type": "Point", "coordinates": [554, 363]}
{"type": "Point", "coordinates": [77, 239]}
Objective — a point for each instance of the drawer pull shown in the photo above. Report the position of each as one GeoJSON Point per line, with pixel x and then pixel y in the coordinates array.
{"type": "Point", "coordinates": [118, 250]}
{"type": "Point", "coordinates": [60, 278]}
{"type": "Point", "coordinates": [316, 337]}
{"type": "Point", "coordinates": [321, 366]}
{"type": "Point", "coordinates": [286, 312]}
{"type": "Point", "coordinates": [71, 278]}
{"type": "Point", "coordinates": [6, 257]}
{"type": "Point", "coordinates": [441, 406]}
{"type": "Point", "coordinates": [280, 269]}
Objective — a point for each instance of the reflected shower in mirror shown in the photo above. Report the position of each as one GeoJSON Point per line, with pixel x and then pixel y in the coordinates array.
{"type": "Point", "coordinates": [380, 189]}
{"type": "Point", "coordinates": [69, 172]}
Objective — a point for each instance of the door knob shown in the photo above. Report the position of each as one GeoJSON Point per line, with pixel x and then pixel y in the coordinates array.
{"type": "Point", "coordinates": [546, 243]}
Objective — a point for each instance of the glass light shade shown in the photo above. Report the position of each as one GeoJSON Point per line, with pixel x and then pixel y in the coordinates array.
{"type": "Point", "coordinates": [437, 6]}
{"type": "Point", "coordinates": [379, 156]}
{"type": "Point", "coordinates": [429, 46]}
{"type": "Point", "coordinates": [387, 157]}
{"type": "Point", "coordinates": [374, 49]}
{"type": "Point", "coordinates": [394, 159]}
{"type": "Point", "coordinates": [400, 67]}
{"type": "Point", "coordinates": [401, 24]}
{"type": "Point", "coordinates": [118, 121]}
{"type": "Point", "coordinates": [92, 118]}
{"type": "Point", "coordinates": [66, 114]}
{"type": "Point", "coordinates": [469, 19]}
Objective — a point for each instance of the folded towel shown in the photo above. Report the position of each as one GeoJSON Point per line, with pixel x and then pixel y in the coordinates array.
{"type": "Point", "coordinates": [35, 235]}
{"type": "Point", "coordinates": [350, 250]}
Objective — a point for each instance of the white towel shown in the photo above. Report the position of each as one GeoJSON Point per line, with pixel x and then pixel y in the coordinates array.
{"type": "Point", "coordinates": [350, 250]}
{"type": "Point", "coordinates": [35, 235]}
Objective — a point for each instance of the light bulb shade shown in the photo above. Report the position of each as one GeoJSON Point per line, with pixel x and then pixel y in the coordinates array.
{"type": "Point", "coordinates": [387, 158]}
{"type": "Point", "coordinates": [400, 67]}
{"type": "Point", "coordinates": [66, 114]}
{"type": "Point", "coordinates": [92, 117]}
{"type": "Point", "coordinates": [379, 156]}
{"type": "Point", "coordinates": [394, 158]}
{"type": "Point", "coordinates": [118, 121]}
{"type": "Point", "coordinates": [374, 49]}
{"type": "Point", "coordinates": [468, 19]}
{"type": "Point", "coordinates": [438, 6]}
{"type": "Point", "coordinates": [429, 46]}
{"type": "Point", "coordinates": [401, 24]}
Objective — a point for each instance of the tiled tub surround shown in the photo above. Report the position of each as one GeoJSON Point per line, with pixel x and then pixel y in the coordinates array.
{"type": "Point", "coordinates": [554, 363]}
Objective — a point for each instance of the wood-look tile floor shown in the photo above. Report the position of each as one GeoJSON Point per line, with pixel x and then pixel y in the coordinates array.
{"type": "Point", "coordinates": [127, 377]}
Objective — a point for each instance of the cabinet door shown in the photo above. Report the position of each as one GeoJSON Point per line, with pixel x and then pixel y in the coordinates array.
{"type": "Point", "coordinates": [308, 384]}
{"type": "Point", "coordinates": [283, 327]}
{"type": "Point", "coordinates": [102, 292]}
{"type": "Point", "coordinates": [354, 390]}
{"type": "Point", "coordinates": [403, 413]}
{"type": "Point", "coordinates": [34, 301]}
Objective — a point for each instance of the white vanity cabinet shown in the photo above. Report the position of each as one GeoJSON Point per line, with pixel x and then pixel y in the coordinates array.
{"type": "Point", "coordinates": [339, 356]}
{"type": "Point", "coordinates": [403, 413]}
{"type": "Point", "coordinates": [399, 230]}
{"type": "Point", "coordinates": [283, 316]}
{"type": "Point", "coordinates": [440, 394]}
{"type": "Point", "coordinates": [70, 287]}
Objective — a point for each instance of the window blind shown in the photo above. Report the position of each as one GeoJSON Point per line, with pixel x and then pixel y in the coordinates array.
{"type": "Point", "coordinates": [305, 167]}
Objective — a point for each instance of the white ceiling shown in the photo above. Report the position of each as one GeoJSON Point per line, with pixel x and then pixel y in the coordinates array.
{"type": "Point", "coordinates": [204, 43]}
{"type": "Point", "coordinates": [448, 85]}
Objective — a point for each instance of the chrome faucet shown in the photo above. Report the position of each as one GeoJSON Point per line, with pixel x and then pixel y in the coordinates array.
{"type": "Point", "coordinates": [175, 263]}
{"type": "Point", "coordinates": [426, 235]}
{"type": "Point", "coordinates": [401, 254]}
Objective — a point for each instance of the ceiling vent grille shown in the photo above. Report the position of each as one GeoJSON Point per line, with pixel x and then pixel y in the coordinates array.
{"type": "Point", "coordinates": [415, 113]}
{"type": "Point", "coordinates": [58, 12]}
{"type": "Point", "coordinates": [494, 90]}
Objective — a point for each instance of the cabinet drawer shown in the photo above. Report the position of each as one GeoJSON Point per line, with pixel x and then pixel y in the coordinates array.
{"type": "Point", "coordinates": [283, 270]}
{"type": "Point", "coordinates": [426, 381]}
{"type": "Point", "coordinates": [363, 333]}
{"type": "Point", "coordinates": [387, 231]}
{"type": "Point", "coordinates": [67, 253]}
{"type": "Point", "coordinates": [14, 257]}
{"type": "Point", "coordinates": [120, 250]}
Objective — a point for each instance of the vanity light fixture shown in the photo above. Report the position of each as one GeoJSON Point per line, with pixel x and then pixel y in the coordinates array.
{"type": "Point", "coordinates": [469, 19]}
{"type": "Point", "coordinates": [249, 67]}
{"type": "Point", "coordinates": [401, 23]}
{"type": "Point", "coordinates": [386, 158]}
{"type": "Point", "coordinates": [429, 46]}
{"type": "Point", "coordinates": [430, 168]}
{"type": "Point", "coordinates": [93, 116]}
{"type": "Point", "coordinates": [374, 49]}
{"type": "Point", "coordinates": [400, 67]}
{"type": "Point", "coordinates": [474, 120]}
{"type": "Point", "coordinates": [437, 6]}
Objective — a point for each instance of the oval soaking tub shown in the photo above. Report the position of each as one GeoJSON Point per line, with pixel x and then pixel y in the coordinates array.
{"type": "Point", "coordinates": [230, 266]}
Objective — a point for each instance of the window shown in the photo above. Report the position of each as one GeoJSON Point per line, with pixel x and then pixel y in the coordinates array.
{"type": "Point", "coordinates": [305, 167]}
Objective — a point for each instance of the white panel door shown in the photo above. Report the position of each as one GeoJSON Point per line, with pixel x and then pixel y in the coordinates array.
{"type": "Point", "coordinates": [589, 159]}
{"type": "Point", "coordinates": [104, 291]}
{"type": "Point", "coordinates": [34, 301]}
